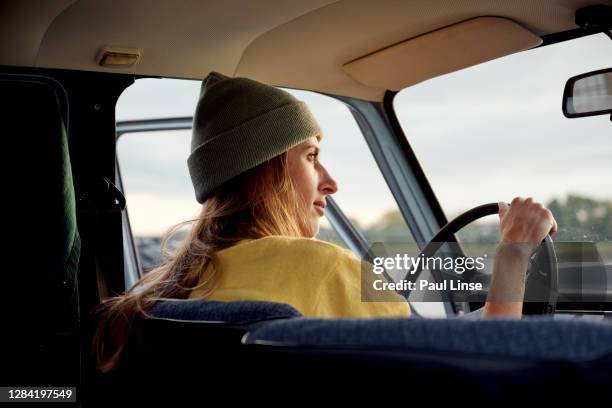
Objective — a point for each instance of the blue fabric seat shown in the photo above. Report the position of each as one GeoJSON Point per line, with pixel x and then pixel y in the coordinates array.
{"type": "Point", "coordinates": [537, 359]}
{"type": "Point", "coordinates": [178, 335]}
{"type": "Point", "coordinates": [540, 338]}
{"type": "Point", "coordinates": [249, 346]}
{"type": "Point", "coordinates": [238, 312]}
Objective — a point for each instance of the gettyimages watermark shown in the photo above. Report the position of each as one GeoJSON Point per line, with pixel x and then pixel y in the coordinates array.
{"type": "Point", "coordinates": [560, 271]}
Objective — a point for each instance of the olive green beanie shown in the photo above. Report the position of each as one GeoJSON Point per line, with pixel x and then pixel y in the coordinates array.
{"type": "Point", "coordinates": [240, 123]}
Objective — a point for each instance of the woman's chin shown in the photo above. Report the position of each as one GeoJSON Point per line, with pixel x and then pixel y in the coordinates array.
{"type": "Point", "coordinates": [312, 230]}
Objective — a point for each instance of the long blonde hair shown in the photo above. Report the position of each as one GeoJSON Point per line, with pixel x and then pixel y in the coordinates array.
{"type": "Point", "coordinates": [259, 202]}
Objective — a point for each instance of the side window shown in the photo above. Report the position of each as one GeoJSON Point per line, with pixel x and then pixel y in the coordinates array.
{"type": "Point", "coordinates": [158, 189]}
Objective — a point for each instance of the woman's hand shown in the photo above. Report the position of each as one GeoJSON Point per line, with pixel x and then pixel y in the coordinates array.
{"type": "Point", "coordinates": [526, 222]}
{"type": "Point", "coordinates": [523, 226]}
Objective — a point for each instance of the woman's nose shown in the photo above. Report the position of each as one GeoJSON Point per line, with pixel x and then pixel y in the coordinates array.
{"type": "Point", "coordinates": [327, 184]}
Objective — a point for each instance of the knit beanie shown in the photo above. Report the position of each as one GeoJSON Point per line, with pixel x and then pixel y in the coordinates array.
{"type": "Point", "coordinates": [240, 123]}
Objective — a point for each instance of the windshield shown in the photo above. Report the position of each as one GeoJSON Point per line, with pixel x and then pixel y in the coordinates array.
{"type": "Point", "coordinates": [496, 131]}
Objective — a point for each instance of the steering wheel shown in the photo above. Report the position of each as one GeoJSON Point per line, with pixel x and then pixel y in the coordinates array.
{"type": "Point", "coordinates": [541, 285]}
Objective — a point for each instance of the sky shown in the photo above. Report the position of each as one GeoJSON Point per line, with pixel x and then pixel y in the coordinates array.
{"type": "Point", "coordinates": [496, 130]}
{"type": "Point", "coordinates": [483, 134]}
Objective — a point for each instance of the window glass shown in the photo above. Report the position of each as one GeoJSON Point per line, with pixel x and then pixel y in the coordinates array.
{"type": "Point", "coordinates": [495, 131]}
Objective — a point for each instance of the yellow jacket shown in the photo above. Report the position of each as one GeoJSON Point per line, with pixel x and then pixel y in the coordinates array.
{"type": "Point", "coordinates": [318, 278]}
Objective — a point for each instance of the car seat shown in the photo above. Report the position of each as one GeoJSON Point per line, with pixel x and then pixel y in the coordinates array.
{"type": "Point", "coordinates": [175, 338]}
{"type": "Point", "coordinates": [192, 348]}
{"type": "Point", "coordinates": [40, 296]}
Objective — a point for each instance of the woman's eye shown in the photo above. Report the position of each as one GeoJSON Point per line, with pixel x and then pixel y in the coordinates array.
{"type": "Point", "coordinates": [313, 156]}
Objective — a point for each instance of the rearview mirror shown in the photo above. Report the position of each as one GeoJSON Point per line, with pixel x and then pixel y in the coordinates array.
{"type": "Point", "coordinates": [588, 94]}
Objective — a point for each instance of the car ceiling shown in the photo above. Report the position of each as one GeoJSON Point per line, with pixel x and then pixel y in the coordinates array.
{"type": "Point", "coordinates": [291, 43]}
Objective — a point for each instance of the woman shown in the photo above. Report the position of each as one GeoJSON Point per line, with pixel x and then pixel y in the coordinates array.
{"type": "Point", "coordinates": [256, 171]}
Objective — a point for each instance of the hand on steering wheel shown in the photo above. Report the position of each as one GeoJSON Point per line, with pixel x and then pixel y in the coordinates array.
{"type": "Point", "coordinates": [528, 225]}
{"type": "Point", "coordinates": [526, 222]}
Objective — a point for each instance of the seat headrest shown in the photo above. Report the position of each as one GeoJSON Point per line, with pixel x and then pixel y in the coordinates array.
{"type": "Point", "coordinates": [236, 312]}
{"type": "Point", "coordinates": [540, 338]}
